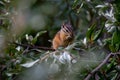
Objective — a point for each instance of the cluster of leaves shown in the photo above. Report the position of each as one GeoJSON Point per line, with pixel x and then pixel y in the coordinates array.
{"type": "Point", "coordinates": [96, 25]}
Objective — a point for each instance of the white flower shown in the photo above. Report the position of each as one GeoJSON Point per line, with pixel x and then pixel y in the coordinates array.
{"type": "Point", "coordinates": [110, 15]}
{"type": "Point", "coordinates": [29, 38]}
{"type": "Point", "coordinates": [102, 5]}
{"type": "Point", "coordinates": [65, 57]}
{"type": "Point", "coordinates": [26, 36]}
{"type": "Point", "coordinates": [18, 48]}
{"type": "Point", "coordinates": [109, 26]}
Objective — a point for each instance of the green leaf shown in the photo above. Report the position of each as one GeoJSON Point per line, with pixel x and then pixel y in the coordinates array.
{"type": "Point", "coordinates": [75, 3]}
{"type": "Point", "coordinates": [112, 48]}
{"type": "Point", "coordinates": [2, 3]}
{"type": "Point", "coordinates": [79, 9]}
{"type": "Point", "coordinates": [117, 47]}
{"type": "Point", "coordinates": [90, 32]}
{"type": "Point", "coordinates": [37, 35]}
{"type": "Point", "coordinates": [97, 35]}
{"type": "Point", "coordinates": [115, 76]}
{"type": "Point", "coordinates": [116, 40]}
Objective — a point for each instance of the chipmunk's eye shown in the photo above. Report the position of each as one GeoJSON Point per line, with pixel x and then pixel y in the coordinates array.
{"type": "Point", "coordinates": [67, 30]}
{"type": "Point", "coordinates": [62, 26]}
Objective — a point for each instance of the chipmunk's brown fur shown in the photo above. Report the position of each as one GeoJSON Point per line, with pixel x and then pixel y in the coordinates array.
{"type": "Point", "coordinates": [64, 37]}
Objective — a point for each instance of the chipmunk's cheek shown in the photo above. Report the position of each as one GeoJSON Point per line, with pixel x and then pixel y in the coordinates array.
{"type": "Point", "coordinates": [68, 37]}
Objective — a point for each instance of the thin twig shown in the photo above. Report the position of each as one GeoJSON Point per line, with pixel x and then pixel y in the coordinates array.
{"type": "Point", "coordinates": [100, 65]}
{"type": "Point", "coordinates": [26, 50]}
{"type": "Point", "coordinates": [47, 55]}
{"type": "Point", "coordinates": [30, 50]}
{"type": "Point", "coordinates": [34, 47]}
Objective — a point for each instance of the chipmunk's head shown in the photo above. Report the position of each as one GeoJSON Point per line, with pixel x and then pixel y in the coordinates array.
{"type": "Point", "coordinates": [68, 30]}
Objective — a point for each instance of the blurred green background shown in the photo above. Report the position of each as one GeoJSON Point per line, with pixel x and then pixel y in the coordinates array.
{"type": "Point", "coordinates": [96, 25]}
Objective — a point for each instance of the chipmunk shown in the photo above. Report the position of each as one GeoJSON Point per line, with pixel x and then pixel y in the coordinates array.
{"type": "Point", "coordinates": [64, 36]}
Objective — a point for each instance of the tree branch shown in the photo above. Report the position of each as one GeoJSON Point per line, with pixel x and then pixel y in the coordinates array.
{"type": "Point", "coordinates": [100, 65]}
{"type": "Point", "coordinates": [34, 47]}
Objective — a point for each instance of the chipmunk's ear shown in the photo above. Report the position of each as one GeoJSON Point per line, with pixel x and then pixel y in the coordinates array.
{"type": "Point", "coordinates": [63, 25]}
